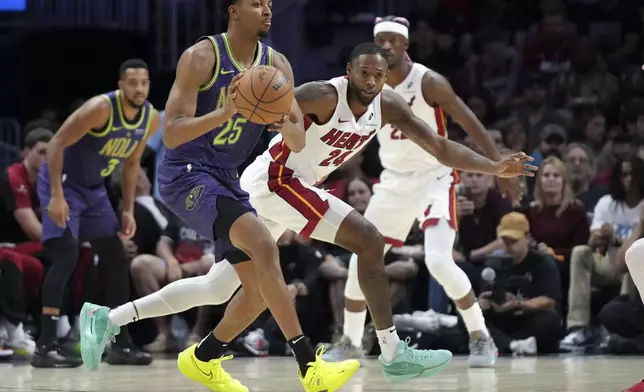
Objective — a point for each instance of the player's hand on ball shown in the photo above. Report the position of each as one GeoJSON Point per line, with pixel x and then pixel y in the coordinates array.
{"type": "Point", "coordinates": [230, 107]}
{"type": "Point", "coordinates": [128, 225]}
{"type": "Point", "coordinates": [277, 126]}
{"type": "Point", "coordinates": [58, 210]}
{"type": "Point", "coordinates": [515, 165]}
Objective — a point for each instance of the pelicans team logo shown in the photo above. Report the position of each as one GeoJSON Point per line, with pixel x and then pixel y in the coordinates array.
{"type": "Point", "coordinates": [193, 197]}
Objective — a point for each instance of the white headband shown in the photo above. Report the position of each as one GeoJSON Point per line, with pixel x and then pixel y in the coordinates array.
{"type": "Point", "coordinates": [390, 27]}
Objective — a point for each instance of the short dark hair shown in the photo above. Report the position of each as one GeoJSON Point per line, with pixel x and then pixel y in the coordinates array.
{"type": "Point", "coordinates": [226, 4]}
{"type": "Point", "coordinates": [368, 48]}
{"type": "Point", "coordinates": [132, 63]}
{"type": "Point", "coordinates": [38, 135]}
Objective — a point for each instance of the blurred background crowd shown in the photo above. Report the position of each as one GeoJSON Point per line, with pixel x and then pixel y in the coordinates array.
{"type": "Point", "coordinates": [560, 80]}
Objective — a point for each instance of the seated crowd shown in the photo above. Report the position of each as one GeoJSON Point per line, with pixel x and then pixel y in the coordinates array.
{"type": "Point", "coordinates": [549, 271]}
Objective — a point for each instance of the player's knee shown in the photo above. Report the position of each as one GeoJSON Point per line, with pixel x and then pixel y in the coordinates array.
{"type": "Point", "coordinates": [370, 240]}
{"type": "Point", "coordinates": [264, 248]}
{"type": "Point", "coordinates": [438, 260]}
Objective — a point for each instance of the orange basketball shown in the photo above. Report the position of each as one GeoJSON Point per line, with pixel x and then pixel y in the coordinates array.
{"type": "Point", "coordinates": [264, 95]}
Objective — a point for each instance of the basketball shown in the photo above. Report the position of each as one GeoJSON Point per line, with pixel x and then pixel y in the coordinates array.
{"type": "Point", "coordinates": [264, 95]}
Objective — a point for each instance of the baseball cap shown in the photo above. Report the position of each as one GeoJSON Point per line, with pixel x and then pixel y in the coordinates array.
{"type": "Point", "coordinates": [551, 130]}
{"type": "Point", "coordinates": [514, 225]}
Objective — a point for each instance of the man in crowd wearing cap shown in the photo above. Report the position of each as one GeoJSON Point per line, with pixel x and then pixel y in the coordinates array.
{"type": "Point", "coordinates": [552, 141]}
{"type": "Point", "coordinates": [526, 321]}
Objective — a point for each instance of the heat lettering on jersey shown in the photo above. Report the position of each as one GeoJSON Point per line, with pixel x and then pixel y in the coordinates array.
{"type": "Point", "coordinates": [345, 143]}
{"type": "Point", "coordinates": [229, 132]}
{"type": "Point", "coordinates": [396, 134]}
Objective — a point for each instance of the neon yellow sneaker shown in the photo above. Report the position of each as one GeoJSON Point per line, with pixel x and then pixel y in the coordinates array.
{"type": "Point", "coordinates": [327, 376]}
{"type": "Point", "coordinates": [210, 374]}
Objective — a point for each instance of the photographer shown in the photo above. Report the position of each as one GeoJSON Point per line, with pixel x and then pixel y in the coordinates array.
{"type": "Point", "coordinates": [523, 294]}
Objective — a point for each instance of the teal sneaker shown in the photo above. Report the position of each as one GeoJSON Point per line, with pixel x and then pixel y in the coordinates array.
{"type": "Point", "coordinates": [96, 329]}
{"type": "Point", "coordinates": [410, 363]}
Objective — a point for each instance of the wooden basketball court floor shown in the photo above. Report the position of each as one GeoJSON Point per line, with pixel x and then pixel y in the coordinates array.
{"type": "Point", "coordinates": [549, 374]}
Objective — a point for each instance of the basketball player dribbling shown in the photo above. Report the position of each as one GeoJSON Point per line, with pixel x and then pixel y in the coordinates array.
{"type": "Point", "coordinates": [342, 116]}
{"type": "Point", "coordinates": [415, 185]}
{"type": "Point", "coordinates": [207, 140]}
{"type": "Point", "coordinates": [107, 132]}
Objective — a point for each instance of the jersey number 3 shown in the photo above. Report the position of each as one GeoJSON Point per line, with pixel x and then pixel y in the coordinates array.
{"type": "Point", "coordinates": [336, 158]}
{"type": "Point", "coordinates": [231, 132]}
{"type": "Point", "coordinates": [111, 165]}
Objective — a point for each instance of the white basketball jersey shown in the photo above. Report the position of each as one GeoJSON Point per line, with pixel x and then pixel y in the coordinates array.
{"type": "Point", "coordinates": [330, 145]}
{"type": "Point", "coordinates": [399, 154]}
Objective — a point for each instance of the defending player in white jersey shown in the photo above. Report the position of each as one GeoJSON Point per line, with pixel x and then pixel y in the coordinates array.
{"type": "Point", "coordinates": [415, 185]}
{"type": "Point", "coordinates": [344, 113]}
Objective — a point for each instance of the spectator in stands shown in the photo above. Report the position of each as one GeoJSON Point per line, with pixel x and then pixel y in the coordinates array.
{"type": "Point", "coordinates": [180, 253]}
{"type": "Point", "coordinates": [587, 83]}
{"type": "Point", "coordinates": [497, 68]}
{"type": "Point", "coordinates": [300, 264]}
{"type": "Point", "coordinates": [616, 216]}
{"type": "Point", "coordinates": [21, 273]}
{"type": "Point", "coordinates": [634, 119]}
{"type": "Point", "coordinates": [480, 208]}
{"type": "Point", "coordinates": [579, 164]}
{"type": "Point", "coordinates": [553, 45]}
{"type": "Point", "coordinates": [20, 279]}
{"type": "Point", "coordinates": [537, 112]}
{"type": "Point", "coordinates": [594, 136]}
{"type": "Point", "coordinates": [552, 141]}
{"type": "Point", "coordinates": [19, 196]}
{"type": "Point", "coordinates": [514, 135]}
{"type": "Point", "coordinates": [623, 317]}
{"type": "Point", "coordinates": [528, 321]}
{"type": "Point", "coordinates": [558, 221]}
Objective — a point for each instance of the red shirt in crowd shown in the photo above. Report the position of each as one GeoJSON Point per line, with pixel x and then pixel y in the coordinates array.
{"type": "Point", "coordinates": [16, 192]}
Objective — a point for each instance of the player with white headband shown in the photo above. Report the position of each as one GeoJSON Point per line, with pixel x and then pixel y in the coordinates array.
{"type": "Point", "coordinates": [414, 185]}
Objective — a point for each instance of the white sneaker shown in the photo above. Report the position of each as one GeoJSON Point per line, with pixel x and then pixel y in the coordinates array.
{"type": "Point", "coordinates": [4, 350]}
{"type": "Point", "coordinates": [524, 346]}
{"type": "Point", "coordinates": [18, 341]}
{"type": "Point", "coordinates": [255, 342]}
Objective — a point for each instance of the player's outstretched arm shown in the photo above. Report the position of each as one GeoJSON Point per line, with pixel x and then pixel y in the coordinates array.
{"type": "Point", "coordinates": [193, 71]}
{"type": "Point", "coordinates": [292, 129]}
{"type": "Point", "coordinates": [437, 90]}
{"type": "Point", "coordinates": [94, 114]}
{"type": "Point", "coordinates": [397, 113]}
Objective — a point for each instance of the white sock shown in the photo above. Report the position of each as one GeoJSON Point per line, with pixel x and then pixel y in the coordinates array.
{"type": "Point", "coordinates": [635, 263]}
{"type": "Point", "coordinates": [63, 327]}
{"type": "Point", "coordinates": [124, 314]}
{"type": "Point", "coordinates": [354, 326]}
{"type": "Point", "coordinates": [388, 340]}
{"type": "Point", "coordinates": [214, 288]}
{"type": "Point", "coordinates": [473, 319]}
